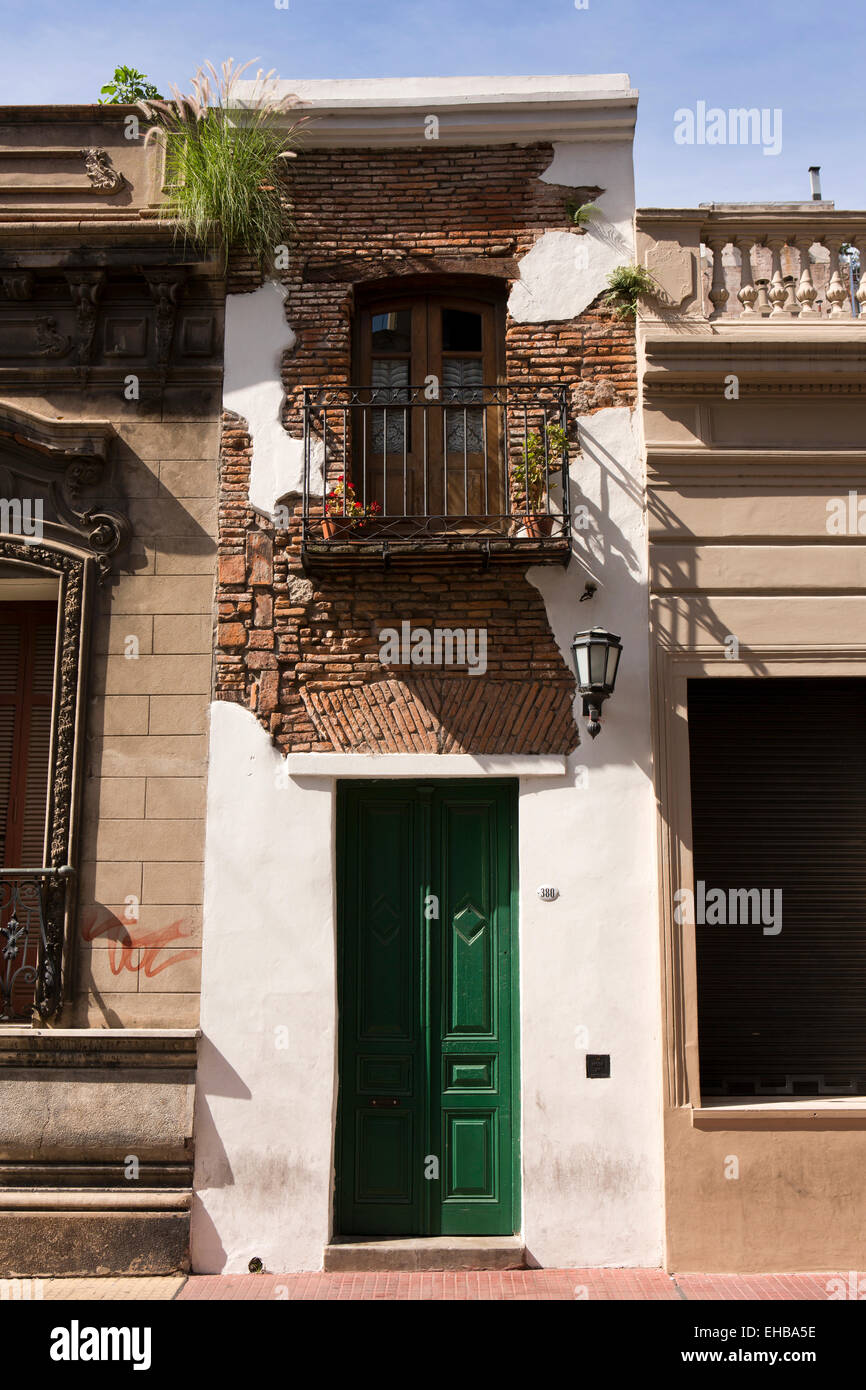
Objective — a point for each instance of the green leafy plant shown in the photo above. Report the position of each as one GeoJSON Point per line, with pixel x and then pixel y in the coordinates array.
{"type": "Point", "coordinates": [627, 284]}
{"type": "Point", "coordinates": [581, 213]}
{"type": "Point", "coordinates": [128, 87]}
{"type": "Point", "coordinates": [530, 473]}
{"type": "Point", "coordinates": [223, 159]}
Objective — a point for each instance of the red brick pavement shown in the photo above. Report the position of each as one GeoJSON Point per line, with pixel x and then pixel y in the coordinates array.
{"type": "Point", "coordinates": [517, 1284]}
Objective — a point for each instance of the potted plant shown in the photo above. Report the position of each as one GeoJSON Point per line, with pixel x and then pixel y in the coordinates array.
{"type": "Point", "coordinates": [223, 158]}
{"type": "Point", "coordinates": [343, 513]}
{"type": "Point", "coordinates": [532, 477]}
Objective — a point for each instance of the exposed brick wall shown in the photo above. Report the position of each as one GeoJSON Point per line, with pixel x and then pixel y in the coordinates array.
{"type": "Point", "coordinates": [243, 273]}
{"type": "Point", "coordinates": [371, 214]}
{"type": "Point", "coordinates": [303, 653]}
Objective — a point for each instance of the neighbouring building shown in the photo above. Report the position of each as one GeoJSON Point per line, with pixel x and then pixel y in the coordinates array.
{"type": "Point", "coordinates": [292, 561]}
{"type": "Point", "coordinates": [110, 369]}
{"type": "Point", "coordinates": [753, 400]}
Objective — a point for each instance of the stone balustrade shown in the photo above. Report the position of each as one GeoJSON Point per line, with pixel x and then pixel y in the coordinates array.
{"type": "Point", "coordinates": [755, 263]}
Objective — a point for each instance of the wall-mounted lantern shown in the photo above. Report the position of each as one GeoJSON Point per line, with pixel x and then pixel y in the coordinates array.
{"type": "Point", "coordinates": [596, 659]}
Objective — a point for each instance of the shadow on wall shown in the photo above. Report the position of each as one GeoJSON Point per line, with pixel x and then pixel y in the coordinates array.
{"type": "Point", "coordinates": [695, 624]}
{"type": "Point", "coordinates": [408, 701]}
{"type": "Point", "coordinates": [161, 521]}
{"type": "Point", "coordinates": [610, 545]}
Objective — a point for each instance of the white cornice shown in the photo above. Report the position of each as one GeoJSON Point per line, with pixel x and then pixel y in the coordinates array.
{"type": "Point", "coordinates": [469, 110]}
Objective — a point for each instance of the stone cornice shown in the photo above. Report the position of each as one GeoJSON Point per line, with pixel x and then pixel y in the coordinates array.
{"type": "Point", "coordinates": [103, 1048]}
{"type": "Point", "coordinates": [61, 438]}
{"type": "Point", "coordinates": [469, 111]}
{"type": "Point", "coordinates": [712, 466]}
{"type": "Point", "coordinates": [692, 357]}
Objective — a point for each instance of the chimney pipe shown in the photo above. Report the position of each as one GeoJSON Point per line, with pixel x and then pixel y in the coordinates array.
{"type": "Point", "coordinates": [815, 176]}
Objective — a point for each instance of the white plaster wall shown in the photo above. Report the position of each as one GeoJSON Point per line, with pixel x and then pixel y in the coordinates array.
{"type": "Point", "coordinates": [592, 1149]}
{"type": "Point", "coordinates": [256, 336]}
{"type": "Point", "coordinates": [264, 1111]}
{"type": "Point", "coordinates": [564, 271]}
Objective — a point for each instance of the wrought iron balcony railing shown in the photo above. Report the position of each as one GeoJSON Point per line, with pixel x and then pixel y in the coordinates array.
{"type": "Point", "coordinates": [33, 908]}
{"type": "Point", "coordinates": [403, 471]}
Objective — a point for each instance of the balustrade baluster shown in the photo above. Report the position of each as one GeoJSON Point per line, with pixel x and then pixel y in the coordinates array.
{"type": "Point", "coordinates": [747, 294]}
{"type": "Point", "coordinates": [806, 292]}
{"type": "Point", "coordinates": [778, 291]}
{"type": "Point", "coordinates": [836, 296]}
{"type": "Point", "coordinates": [718, 290]}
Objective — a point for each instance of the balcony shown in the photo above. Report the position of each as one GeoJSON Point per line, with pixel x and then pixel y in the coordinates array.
{"type": "Point", "coordinates": [420, 474]}
{"type": "Point", "coordinates": [33, 908]}
{"type": "Point", "coordinates": [757, 265]}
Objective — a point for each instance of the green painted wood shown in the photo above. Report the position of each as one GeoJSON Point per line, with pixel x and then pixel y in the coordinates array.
{"type": "Point", "coordinates": [428, 1017]}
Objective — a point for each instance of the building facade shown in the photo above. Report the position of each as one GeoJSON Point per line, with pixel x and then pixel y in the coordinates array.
{"type": "Point", "coordinates": [752, 381]}
{"type": "Point", "coordinates": [395, 1026]}
{"type": "Point", "coordinates": [328, 924]}
{"type": "Point", "coordinates": [110, 368]}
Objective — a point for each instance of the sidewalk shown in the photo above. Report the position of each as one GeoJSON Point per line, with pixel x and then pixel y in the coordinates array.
{"type": "Point", "coordinates": [543, 1285]}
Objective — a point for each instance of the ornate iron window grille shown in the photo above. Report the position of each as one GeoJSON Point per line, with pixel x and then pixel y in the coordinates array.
{"type": "Point", "coordinates": [34, 904]}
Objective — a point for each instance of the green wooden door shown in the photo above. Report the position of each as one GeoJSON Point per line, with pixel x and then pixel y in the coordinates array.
{"type": "Point", "coordinates": [427, 1115]}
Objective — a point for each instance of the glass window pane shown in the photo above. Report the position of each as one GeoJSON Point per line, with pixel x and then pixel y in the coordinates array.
{"type": "Point", "coordinates": [390, 382]}
{"type": "Point", "coordinates": [461, 379]}
{"type": "Point", "coordinates": [461, 331]}
{"type": "Point", "coordinates": [392, 332]}
{"type": "Point", "coordinates": [597, 662]}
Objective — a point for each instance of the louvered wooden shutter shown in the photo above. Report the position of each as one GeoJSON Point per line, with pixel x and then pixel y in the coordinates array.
{"type": "Point", "coordinates": [778, 777]}
{"type": "Point", "coordinates": [27, 643]}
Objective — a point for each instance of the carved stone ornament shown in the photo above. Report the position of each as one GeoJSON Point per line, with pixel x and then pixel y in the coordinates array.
{"type": "Point", "coordinates": [98, 167]}
{"type": "Point", "coordinates": [85, 286]}
{"type": "Point", "coordinates": [62, 470]}
{"type": "Point", "coordinates": [50, 342]}
{"type": "Point", "coordinates": [16, 284]}
{"type": "Point", "coordinates": [166, 286]}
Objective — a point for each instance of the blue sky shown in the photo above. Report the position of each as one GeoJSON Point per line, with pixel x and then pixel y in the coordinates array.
{"type": "Point", "coordinates": [804, 58]}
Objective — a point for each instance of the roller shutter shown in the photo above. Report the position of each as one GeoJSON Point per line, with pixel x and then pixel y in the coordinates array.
{"type": "Point", "coordinates": [778, 780]}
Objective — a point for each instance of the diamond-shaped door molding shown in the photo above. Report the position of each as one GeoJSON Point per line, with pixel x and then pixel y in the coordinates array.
{"type": "Point", "coordinates": [384, 920]}
{"type": "Point", "coordinates": [469, 923]}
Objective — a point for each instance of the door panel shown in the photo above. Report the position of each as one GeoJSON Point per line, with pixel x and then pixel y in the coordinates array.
{"type": "Point", "coordinates": [404, 341]}
{"type": "Point", "coordinates": [427, 1027]}
{"type": "Point", "coordinates": [472, 1007]}
{"type": "Point", "coordinates": [381, 1037]}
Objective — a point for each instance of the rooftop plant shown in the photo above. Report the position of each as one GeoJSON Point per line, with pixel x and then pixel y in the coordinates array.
{"type": "Point", "coordinates": [224, 158]}
{"type": "Point", "coordinates": [127, 87]}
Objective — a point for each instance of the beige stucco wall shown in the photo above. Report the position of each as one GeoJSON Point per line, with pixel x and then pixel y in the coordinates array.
{"type": "Point", "coordinates": [138, 935]}
{"type": "Point", "coordinates": [738, 494]}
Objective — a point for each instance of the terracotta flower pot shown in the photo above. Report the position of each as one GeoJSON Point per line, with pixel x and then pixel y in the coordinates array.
{"type": "Point", "coordinates": [539, 524]}
{"type": "Point", "coordinates": [336, 526]}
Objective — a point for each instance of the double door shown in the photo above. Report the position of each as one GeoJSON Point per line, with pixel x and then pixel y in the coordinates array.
{"type": "Point", "coordinates": [427, 1119]}
{"type": "Point", "coordinates": [435, 451]}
